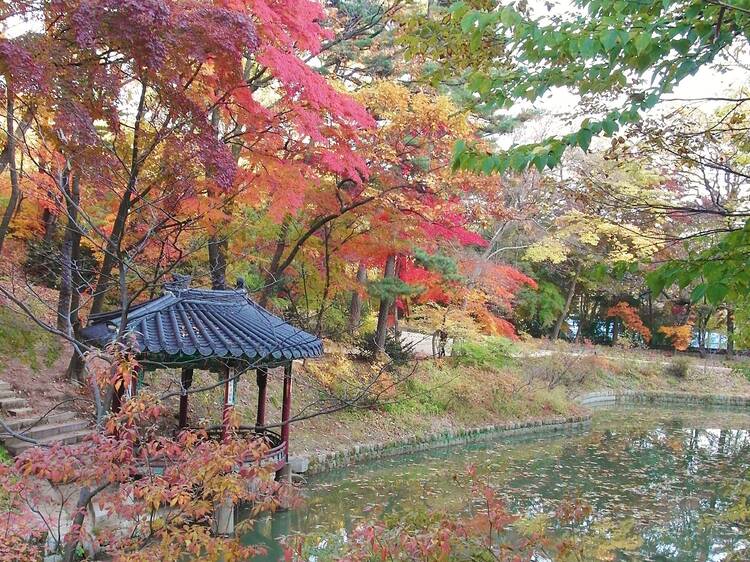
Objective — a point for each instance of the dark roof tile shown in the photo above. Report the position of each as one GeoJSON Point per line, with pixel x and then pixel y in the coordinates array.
{"type": "Point", "coordinates": [189, 322]}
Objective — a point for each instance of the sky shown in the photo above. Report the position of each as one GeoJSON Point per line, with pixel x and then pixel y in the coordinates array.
{"type": "Point", "coordinates": [708, 82]}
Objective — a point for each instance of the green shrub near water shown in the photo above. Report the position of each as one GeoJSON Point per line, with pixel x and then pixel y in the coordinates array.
{"type": "Point", "coordinates": [418, 397]}
{"type": "Point", "coordinates": [678, 368]}
{"type": "Point", "coordinates": [489, 353]}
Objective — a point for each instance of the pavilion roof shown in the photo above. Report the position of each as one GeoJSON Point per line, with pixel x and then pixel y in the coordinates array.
{"type": "Point", "coordinates": [202, 324]}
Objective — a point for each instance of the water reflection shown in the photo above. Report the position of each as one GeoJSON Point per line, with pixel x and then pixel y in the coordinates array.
{"type": "Point", "coordinates": [671, 473]}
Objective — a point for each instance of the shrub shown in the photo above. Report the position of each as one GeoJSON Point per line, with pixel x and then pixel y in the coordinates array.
{"type": "Point", "coordinates": [367, 350]}
{"type": "Point", "coordinates": [22, 339]}
{"type": "Point", "coordinates": [417, 397]}
{"type": "Point", "coordinates": [43, 265]}
{"type": "Point", "coordinates": [488, 353]}
{"type": "Point", "coordinates": [742, 369]}
{"type": "Point", "coordinates": [678, 368]}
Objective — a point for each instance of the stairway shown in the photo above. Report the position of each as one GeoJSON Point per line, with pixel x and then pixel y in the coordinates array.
{"type": "Point", "coordinates": [56, 427]}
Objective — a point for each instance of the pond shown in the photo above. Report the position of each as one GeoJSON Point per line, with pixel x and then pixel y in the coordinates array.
{"type": "Point", "coordinates": [670, 473]}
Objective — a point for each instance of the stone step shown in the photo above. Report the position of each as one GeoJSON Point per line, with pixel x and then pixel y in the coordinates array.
{"type": "Point", "coordinates": [16, 446]}
{"type": "Point", "coordinates": [5, 386]}
{"type": "Point", "coordinates": [19, 412]}
{"type": "Point", "coordinates": [40, 432]}
{"type": "Point", "coordinates": [14, 402]}
{"type": "Point", "coordinates": [21, 423]}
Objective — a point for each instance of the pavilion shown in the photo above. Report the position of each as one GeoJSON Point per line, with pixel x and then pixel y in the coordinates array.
{"type": "Point", "coordinates": [222, 331]}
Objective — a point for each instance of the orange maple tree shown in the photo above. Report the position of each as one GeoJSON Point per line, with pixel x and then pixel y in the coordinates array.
{"type": "Point", "coordinates": [629, 316]}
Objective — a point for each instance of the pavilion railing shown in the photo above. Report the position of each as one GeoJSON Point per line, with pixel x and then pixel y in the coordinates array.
{"type": "Point", "coordinates": [275, 455]}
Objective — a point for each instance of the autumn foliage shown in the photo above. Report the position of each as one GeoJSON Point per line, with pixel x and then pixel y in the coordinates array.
{"type": "Point", "coordinates": [159, 492]}
{"type": "Point", "coordinates": [680, 335]}
{"type": "Point", "coordinates": [630, 318]}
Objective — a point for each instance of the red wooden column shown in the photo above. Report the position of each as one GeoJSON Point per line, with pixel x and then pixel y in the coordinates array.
{"type": "Point", "coordinates": [286, 408]}
{"type": "Point", "coordinates": [117, 398]}
{"type": "Point", "coordinates": [262, 380]}
{"type": "Point", "coordinates": [186, 380]}
{"type": "Point", "coordinates": [230, 385]}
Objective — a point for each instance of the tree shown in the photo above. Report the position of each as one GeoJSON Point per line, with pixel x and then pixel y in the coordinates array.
{"type": "Point", "coordinates": [637, 50]}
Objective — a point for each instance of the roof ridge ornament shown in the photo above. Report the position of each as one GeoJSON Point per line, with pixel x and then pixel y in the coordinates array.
{"type": "Point", "coordinates": [178, 284]}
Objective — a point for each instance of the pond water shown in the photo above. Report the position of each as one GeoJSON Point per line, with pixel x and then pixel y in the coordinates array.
{"type": "Point", "coordinates": [671, 473]}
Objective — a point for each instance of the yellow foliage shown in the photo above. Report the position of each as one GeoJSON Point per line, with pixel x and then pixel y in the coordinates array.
{"type": "Point", "coordinates": [552, 251]}
{"type": "Point", "coordinates": [679, 335]}
{"type": "Point", "coordinates": [347, 379]}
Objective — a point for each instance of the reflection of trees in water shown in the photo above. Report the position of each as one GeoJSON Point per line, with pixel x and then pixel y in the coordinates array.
{"type": "Point", "coordinates": [666, 479]}
{"type": "Point", "coordinates": [653, 468]}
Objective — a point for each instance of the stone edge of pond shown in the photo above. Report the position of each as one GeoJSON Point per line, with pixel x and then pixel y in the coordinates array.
{"type": "Point", "coordinates": [661, 397]}
{"type": "Point", "coordinates": [324, 462]}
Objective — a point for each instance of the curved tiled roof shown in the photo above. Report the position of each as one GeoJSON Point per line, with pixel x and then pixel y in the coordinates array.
{"type": "Point", "coordinates": [206, 324]}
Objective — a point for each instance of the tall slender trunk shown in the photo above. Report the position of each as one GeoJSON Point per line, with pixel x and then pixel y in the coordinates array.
{"type": "Point", "coordinates": [730, 333]}
{"type": "Point", "coordinates": [327, 282]}
{"type": "Point", "coordinates": [271, 280]}
{"type": "Point", "coordinates": [385, 305]}
{"type": "Point", "coordinates": [651, 322]}
{"type": "Point", "coordinates": [217, 261]}
{"type": "Point", "coordinates": [49, 222]}
{"type": "Point", "coordinates": [355, 307]}
{"type": "Point", "coordinates": [15, 189]}
{"type": "Point", "coordinates": [66, 257]}
{"type": "Point", "coordinates": [566, 308]}
{"type": "Point", "coordinates": [114, 241]}
{"type": "Point", "coordinates": [582, 318]}
{"type": "Point", "coordinates": [218, 244]}
{"type": "Point", "coordinates": [69, 300]}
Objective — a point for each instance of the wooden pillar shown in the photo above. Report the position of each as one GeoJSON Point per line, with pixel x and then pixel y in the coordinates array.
{"type": "Point", "coordinates": [230, 386]}
{"type": "Point", "coordinates": [186, 381]}
{"type": "Point", "coordinates": [117, 398]}
{"type": "Point", "coordinates": [262, 380]}
{"type": "Point", "coordinates": [286, 408]}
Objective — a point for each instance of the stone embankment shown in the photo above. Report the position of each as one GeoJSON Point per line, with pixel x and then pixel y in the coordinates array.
{"type": "Point", "coordinates": [331, 460]}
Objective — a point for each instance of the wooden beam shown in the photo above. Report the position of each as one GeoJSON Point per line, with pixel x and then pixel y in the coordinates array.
{"type": "Point", "coordinates": [186, 380]}
{"type": "Point", "coordinates": [286, 408]}
{"type": "Point", "coordinates": [262, 380]}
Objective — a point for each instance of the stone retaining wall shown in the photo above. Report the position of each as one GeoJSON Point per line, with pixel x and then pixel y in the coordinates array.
{"type": "Point", "coordinates": [315, 464]}
{"type": "Point", "coordinates": [372, 451]}
{"type": "Point", "coordinates": [661, 397]}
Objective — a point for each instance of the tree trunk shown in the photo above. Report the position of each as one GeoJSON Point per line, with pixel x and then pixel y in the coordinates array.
{"type": "Point", "coordinates": [49, 222]}
{"type": "Point", "coordinates": [582, 318]}
{"type": "Point", "coordinates": [730, 333]}
{"type": "Point", "coordinates": [218, 244]}
{"type": "Point", "coordinates": [385, 305]}
{"type": "Point", "coordinates": [66, 257]}
{"type": "Point", "coordinates": [355, 307]}
{"type": "Point", "coordinates": [84, 498]}
{"type": "Point", "coordinates": [566, 308]}
{"type": "Point", "coordinates": [114, 241]}
{"type": "Point", "coordinates": [15, 190]}
{"type": "Point", "coordinates": [651, 322]}
{"type": "Point", "coordinates": [217, 261]}
{"type": "Point", "coordinates": [75, 369]}
{"type": "Point", "coordinates": [271, 279]}
{"type": "Point", "coordinates": [615, 330]}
